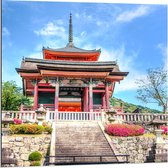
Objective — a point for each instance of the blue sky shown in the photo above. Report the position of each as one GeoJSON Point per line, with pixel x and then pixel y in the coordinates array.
{"type": "Point", "coordinates": [134, 35]}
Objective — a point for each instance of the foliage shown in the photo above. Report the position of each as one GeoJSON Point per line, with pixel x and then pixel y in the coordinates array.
{"type": "Point", "coordinates": [12, 96]}
{"type": "Point", "coordinates": [26, 129]}
{"type": "Point", "coordinates": [124, 130]}
{"type": "Point", "coordinates": [153, 89]}
{"type": "Point", "coordinates": [35, 163]}
{"type": "Point", "coordinates": [17, 121]}
{"type": "Point", "coordinates": [18, 129]}
{"type": "Point", "coordinates": [149, 135]}
{"type": "Point", "coordinates": [129, 107]}
{"type": "Point", "coordinates": [35, 156]}
{"type": "Point", "coordinates": [165, 129]}
{"type": "Point", "coordinates": [44, 123]}
{"type": "Point", "coordinates": [48, 129]}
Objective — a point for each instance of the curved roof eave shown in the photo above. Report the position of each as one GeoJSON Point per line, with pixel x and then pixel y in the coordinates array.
{"type": "Point", "coordinates": [72, 49]}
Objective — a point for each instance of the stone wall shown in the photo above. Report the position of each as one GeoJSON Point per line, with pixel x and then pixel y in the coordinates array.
{"type": "Point", "coordinates": [23, 145]}
{"type": "Point", "coordinates": [137, 148]}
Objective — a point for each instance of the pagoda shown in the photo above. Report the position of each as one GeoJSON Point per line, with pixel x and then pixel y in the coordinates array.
{"type": "Point", "coordinates": [70, 79]}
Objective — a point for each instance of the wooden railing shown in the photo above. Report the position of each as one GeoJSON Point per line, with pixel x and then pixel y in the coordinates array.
{"type": "Point", "coordinates": [52, 115]}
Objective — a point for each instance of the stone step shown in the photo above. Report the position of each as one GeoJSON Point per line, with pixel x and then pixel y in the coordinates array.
{"type": "Point", "coordinates": [81, 138]}
{"type": "Point", "coordinates": [94, 150]}
{"type": "Point", "coordinates": [81, 146]}
{"type": "Point", "coordinates": [84, 159]}
{"type": "Point", "coordinates": [83, 153]}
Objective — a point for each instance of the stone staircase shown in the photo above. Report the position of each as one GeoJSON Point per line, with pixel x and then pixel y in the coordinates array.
{"type": "Point", "coordinates": [81, 139]}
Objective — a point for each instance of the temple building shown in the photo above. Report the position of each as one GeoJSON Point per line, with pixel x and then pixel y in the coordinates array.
{"type": "Point", "coordinates": [70, 78]}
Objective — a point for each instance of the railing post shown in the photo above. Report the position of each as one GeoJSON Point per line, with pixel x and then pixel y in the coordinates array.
{"type": "Point", "coordinates": [56, 115]}
{"type": "Point", "coordinates": [35, 116]}
{"type": "Point", "coordinates": [126, 158]}
{"type": "Point", "coordinates": [101, 159]}
{"type": "Point", "coordinates": [47, 114]}
{"type": "Point", "coordinates": [73, 159]}
{"type": "Point", "coordinates": [20, 115]}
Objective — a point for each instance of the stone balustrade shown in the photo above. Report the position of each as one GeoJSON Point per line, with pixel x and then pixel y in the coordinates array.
{"type": "Point", "coordinates": [52, 115]}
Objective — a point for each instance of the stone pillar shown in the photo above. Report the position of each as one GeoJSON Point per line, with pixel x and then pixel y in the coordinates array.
{"type": "Point", "coordinates": [159, 138]}
{"type": "Point", "coordinates": [107, 95]}
{"type": "Point", "coordinates": [90, 95]}
{"type": "Point", "coordinates": [35, 96]}
{"type": "Point", "coordinates": [56, 95]}
{"type": "Point", "coordinates": [47, 114]}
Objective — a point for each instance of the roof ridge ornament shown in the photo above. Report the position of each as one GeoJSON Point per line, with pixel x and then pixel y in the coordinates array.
{"type": "Point", "coordinates": [70, 44]}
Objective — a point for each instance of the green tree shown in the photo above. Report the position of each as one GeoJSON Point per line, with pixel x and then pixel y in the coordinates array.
{"type": "Point", "coordinates": [153, 89]}
{"type": "Point", "coordinates": [12, 96]}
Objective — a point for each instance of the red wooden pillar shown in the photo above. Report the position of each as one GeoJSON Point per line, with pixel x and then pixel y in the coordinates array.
{"type": "Point", "coordinates": [56, 95]}
{"type": "Point", "coordinates": [35, 96]}
{"type": "Point", "coordinates": [86, 99]}
{"type": "Point", "coordinates": [107, 95]}
{"type": "Point", "coordinates": [90, 96]}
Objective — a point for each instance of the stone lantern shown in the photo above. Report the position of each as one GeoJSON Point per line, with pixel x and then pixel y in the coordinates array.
{"type": "Point", "coordinates": [41, 114]}
{"type": "Point", "coordinates": [110, 113]}
{"type": "Point", "coordinates": [159, 138]}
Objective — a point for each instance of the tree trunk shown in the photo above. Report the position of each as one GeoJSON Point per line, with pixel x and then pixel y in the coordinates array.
{"type": "Point", "coordinates": [164, 109]}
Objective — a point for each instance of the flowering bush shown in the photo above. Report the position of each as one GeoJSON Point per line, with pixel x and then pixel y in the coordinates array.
{"type": "Point", "coordinates": [17, 121]}
{"type": "Point", "coordinates": [26, 129]}
{"type": "Point", "coordinates": [124, 130]}
{"type": "Point", "coordinates": [48, 129]}
{"type": "Point", "coordinates": [165, 129]}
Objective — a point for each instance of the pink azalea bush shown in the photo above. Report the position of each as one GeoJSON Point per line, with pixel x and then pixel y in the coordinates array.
{"type": "Point", "coordinates": [17, 121]}
{"type": "Point", "coordinates": [165, 129]}
{"type": "Point", "coordinates": [124, 130]}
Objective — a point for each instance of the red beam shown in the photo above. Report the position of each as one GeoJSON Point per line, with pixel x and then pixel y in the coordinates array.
{"type": "Point", "coordinates": [41, 90]}
{"type": "Point", "coordinates": [46, 90]}
{"type": "Point", "coordinates": [44, 84]}
{"type": "Point", "coordinates": [98, 91]}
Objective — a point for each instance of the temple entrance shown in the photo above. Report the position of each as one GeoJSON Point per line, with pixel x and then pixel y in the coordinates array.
{"type": "Point", "coordinates": [97, 101]}
{"type": "Point", "coordinates": [46, 98]}
{"type": "Point", "coordinates": [71, 99]}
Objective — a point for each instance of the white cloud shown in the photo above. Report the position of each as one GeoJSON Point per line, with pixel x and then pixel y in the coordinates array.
{"type": "Point", "coordinates": [128, 16]}
{"type": "Point", "coordinates": [52, 29]}
{"type": "Point", "coordinates": [99, 23]}
{"type": "Point", "coordinates": [84, 16]}
{"type": "Point", "coordinates": [164, 52]}
{"type": "Point", "coordinates": [125, 60]}
{"type": "Point", "coordinates": [38, 55]}
{"type": "Point", "coordinates": [5, 31]}
{"type": "Point", "coordinates": [83, 33]}
{"type": "Point", "coordinates": [77, 15]}
{"type": "Point", "coordinates": [126, 63]}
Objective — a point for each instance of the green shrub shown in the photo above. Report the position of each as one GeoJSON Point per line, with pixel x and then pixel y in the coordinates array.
{"type": "Point", "coordinates": [35, 156]}
{"type": "Point", "coordinates": [34, 129]}
{"type": "Point", "coordinates": [35, 163]}
{"type": "Point", "coordinates": [48, 129]}
{"type": "Point", "coordinates": [26, 129]}
{"type": "Point", "coordinates": [18, 129]}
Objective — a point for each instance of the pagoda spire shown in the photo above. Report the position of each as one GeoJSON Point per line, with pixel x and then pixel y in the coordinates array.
{"type": "Point", "coordinates": [70, 31]}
